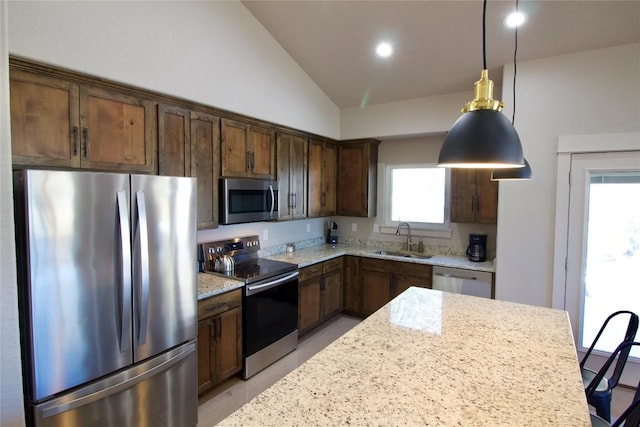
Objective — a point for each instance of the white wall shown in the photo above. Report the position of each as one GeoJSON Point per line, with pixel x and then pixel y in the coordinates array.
{"type": "Point", "coordinates": [591, 92]}
{"type": "Point", "coordinates": [213, 52]}
{"type": "Point", "coordinates": [11, 409]}
{"type": "Point", "coordinates": [422, 116]}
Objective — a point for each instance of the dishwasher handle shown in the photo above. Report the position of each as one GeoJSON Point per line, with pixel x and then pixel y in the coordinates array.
{"type": "Point", "coordinates": [453, 276]}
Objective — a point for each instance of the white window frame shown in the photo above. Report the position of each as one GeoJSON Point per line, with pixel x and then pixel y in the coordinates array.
{"type": "Point", "coordinates": [389, 226]}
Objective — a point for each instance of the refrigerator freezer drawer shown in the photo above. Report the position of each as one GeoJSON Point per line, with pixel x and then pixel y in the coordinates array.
{"type": "Point", "coordinates": [159, 392]}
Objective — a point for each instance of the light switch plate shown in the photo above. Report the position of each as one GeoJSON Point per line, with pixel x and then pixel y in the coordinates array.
{"type": "Point", "coordinates": [308, 228]}
{"type": "Point", "coordinates": [265, 234]}
{"type": "Point", "coordinates": [354, 226]}
{"type": "Point", "coordinates": [376, 228]}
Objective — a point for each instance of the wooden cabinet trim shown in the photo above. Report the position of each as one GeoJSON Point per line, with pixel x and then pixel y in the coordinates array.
{"type": "Point", "coordinates": [217, 304]}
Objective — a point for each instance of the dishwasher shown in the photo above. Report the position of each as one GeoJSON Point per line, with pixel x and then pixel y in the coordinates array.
{"type": "Point", "coordinates": [461, 281]}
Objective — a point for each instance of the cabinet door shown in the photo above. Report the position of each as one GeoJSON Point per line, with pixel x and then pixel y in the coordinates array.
{"type": "Point", "coordinates": [332, 294]}
{"type": "Point", "coordinates": [329, 178]}
{"type": "Point", "coordinates": [206, 331]}
{"type": "Point", "coordinates": [174, 141]}
{"type": "Point", "coordinates": [283, 162]}
{"type": "Point", "coordinates": [309, 304]}
{"type": "Point", "coordinates": [487, 194]}
{"type": "Point", "coordinates": [205, 166]}
{"type": "Point", "coordinates": [352, 177]}
{"type": "Point", "coordinates": [228, 354]}
{"type": "Point", "coordinates": [235, 148]}
{"type": "Point", "coordinates": [375, 290]}
{"type": "Point", "coordinates": [351, 283]}
{"type": "Point", "coordinates": [403, 282]}
{"type": "Point", "coordinates": [298, 177]}
{"type": "Point", "coordinates": [263, 149]}
{"type": "Point", "coordinates": [44, 120]}
{"type": "Point", "coordinates": [315, 195]}
{"type": "Point", "coordinates": [463, 195]}
{"type": "Point", "coordinates": [118, 131]}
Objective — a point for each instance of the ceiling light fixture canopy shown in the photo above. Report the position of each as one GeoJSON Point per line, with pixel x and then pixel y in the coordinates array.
{"type": "Point", "coordinates": [482, 137]}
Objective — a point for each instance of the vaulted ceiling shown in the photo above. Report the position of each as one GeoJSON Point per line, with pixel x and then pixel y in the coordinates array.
{"type": "Point", "coordinates": [438, 44]}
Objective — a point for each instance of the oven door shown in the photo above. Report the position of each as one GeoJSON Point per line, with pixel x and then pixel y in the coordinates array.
{"type": "Point", "coordinates": [248, 200]}
{"type": "Point", "coordinates": [270, 312]}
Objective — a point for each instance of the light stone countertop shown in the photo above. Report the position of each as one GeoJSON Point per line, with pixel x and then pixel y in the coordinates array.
{"type": "Point", "coordinates": [314, 254]}
{"type": "Point", "coordinates": [211, 284]}
{"type": "Point", "coordinates": [439, 359]}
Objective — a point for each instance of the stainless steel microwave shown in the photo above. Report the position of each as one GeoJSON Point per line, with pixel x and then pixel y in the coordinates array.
{"type": "Point", "coordinates": [248, 200]}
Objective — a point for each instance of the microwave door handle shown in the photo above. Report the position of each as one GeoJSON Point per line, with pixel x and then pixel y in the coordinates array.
{"type": "Point", "coordinates": [273, 200]}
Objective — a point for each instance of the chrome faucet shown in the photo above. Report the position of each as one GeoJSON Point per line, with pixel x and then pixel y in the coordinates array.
{"type": "Point", "coordinates": [408, 233]}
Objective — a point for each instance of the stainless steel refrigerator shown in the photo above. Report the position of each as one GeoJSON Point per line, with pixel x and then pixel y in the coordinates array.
{"type": "Point", "coordinates": [107, 276]}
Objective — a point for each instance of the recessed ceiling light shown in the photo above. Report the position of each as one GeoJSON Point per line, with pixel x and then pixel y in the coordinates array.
{"type": "Point", "coordinates": [384, 50]}
{"type": "Point", "coordinates": [515, 19]}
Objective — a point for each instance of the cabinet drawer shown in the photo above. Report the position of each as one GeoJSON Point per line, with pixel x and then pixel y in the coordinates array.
{"type": "Point", "coordinates": [378, 265]}
{"type": "Point", "coordinates": [310, 272]}
{"type": "Point", "coordinates": [332, 265]}
{"type": "Point", "coordinates": [416, 270]}
{"type": "Point", "coordinates": [220, 303]}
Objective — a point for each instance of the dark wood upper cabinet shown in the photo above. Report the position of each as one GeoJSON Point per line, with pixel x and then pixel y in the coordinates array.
{"type": "Point", "coordinates": [357, 177]}
{"type": "Point", "coordinates": [174, 141]}
{"type": "Point", "coordinates": [323, 163]}
{"type": "Point", "coordinates": [247, 150]}
{"type": "Point", "coordinates": [474, 197]}
{"type": "Point", "coordinates": [59, 123]}
{"type": "Point", "coordinates": [45, 120]}
{"type": "Point", "coordinates": [189, 145]}
{"type": "Point", "coordinates": [291, 159]}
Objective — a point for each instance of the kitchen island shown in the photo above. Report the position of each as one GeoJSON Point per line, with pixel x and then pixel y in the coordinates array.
{"type": "Point", "coordinates": [434, 358]}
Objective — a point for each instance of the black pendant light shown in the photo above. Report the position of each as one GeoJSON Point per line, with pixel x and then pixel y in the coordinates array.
{"type": "Point", "coordinates": [513, 174]}
{"type": "Point", "coordinates": [482, 137]}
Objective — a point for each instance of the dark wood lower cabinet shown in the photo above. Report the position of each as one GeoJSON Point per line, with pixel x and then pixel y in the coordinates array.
{"type": "Point", "coordinates": [219, 339]}
{"type": "Point", "coordinates": [383, 280]}
{"type": "Point", "coordinates": [320, 294]}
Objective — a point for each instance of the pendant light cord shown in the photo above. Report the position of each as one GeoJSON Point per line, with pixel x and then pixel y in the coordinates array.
{"type": "Point", "coordinates": [515, 64]}
{"type": "Point", "coordinates": [484, 35]}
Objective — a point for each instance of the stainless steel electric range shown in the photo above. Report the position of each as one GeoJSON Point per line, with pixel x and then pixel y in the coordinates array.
{"type": "Point", "coordinates": [270, 300]}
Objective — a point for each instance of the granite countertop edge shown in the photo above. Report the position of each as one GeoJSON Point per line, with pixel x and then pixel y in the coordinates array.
{"type": "Point", "coordinates": [211, 284]}
{"type": "Point", "coordinates": [320, 253]}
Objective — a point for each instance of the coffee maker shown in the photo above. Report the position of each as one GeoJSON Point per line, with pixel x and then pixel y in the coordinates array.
{"type": "Point", "coordinates": [477, 249]}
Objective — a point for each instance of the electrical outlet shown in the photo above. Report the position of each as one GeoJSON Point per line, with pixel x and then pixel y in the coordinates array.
{"type": "Point", "coordinates": [308, 228]}
{"type": "Point", "coordinates": [354, 226]}
{"type": "Point", "coordinates": [376, 228]}
{"type": "Point", "coordinates": [265, 234]}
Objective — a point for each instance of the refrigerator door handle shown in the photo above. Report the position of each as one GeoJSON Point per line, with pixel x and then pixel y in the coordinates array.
{"type": "Point", "coordinates": [142, 246]}
{"type": "Point", "coordinates": [125, 251]}
{"type": "Point", "coordinates": [115, 384]}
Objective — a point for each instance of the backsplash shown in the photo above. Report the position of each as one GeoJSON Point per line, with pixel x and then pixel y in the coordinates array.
{"type": "Point", "coordinates": [399, 246]}
{"type": "Point", "coordinates": [280, 249]}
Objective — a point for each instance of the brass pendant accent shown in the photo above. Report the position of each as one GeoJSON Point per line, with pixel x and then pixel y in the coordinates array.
{"type": "Point", "coordinates": [483, 96]}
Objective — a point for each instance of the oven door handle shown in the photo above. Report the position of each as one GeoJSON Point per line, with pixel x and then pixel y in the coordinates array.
{"type": "Point", "coordinates": [254, 289]}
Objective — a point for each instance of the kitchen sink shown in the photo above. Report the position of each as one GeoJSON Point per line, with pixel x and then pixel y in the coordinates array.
{"type": "Point", "coordinates": [401, 254]}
